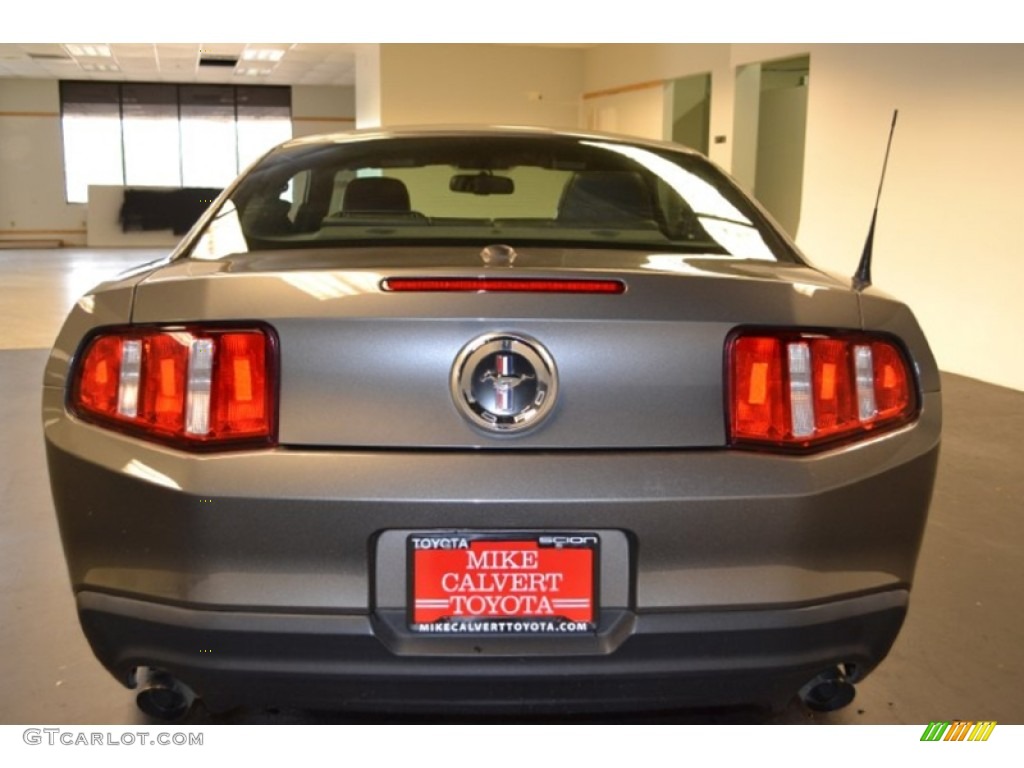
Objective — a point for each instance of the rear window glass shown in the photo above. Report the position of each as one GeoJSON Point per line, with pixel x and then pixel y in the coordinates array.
{"type": "Point", "coordinates": [519, 190]}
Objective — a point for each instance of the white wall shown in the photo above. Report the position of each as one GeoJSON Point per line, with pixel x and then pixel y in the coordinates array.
{"type": "Point", "coordinates": [32, 204]}
{"type": "Point", "coordinates": [367, 85]}
{"type": "Point", "coordinates": [639, 112]}
{"type": "Point", "coordinates": [949, 240]}
{"type": "Point", "coordinates": [322, 109]}
{"type": "Point", "coordinates": [470, 83]}
{"type": "Point", "coordinates": [610, 67]}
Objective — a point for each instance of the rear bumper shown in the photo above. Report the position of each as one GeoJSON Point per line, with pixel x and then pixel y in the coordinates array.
{"type": "Point", "coordinates": [276, 575]}
{"type": "Point", "coordinates": [663, 660]}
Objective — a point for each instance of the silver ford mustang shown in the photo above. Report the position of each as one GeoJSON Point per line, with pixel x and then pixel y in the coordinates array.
{"type": "Point", "coordinates": [471, 418]}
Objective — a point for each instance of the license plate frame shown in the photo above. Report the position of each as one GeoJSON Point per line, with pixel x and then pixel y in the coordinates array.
{"type": "Point", "coordinates": [503, 583]}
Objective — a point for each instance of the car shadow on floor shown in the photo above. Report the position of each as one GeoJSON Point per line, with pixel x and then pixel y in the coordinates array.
{"type": "Point", "coordinates": [795, 713]}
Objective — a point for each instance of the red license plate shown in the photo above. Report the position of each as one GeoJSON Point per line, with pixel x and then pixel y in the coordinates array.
{"type": "Point", "coordinates": [503, 583]}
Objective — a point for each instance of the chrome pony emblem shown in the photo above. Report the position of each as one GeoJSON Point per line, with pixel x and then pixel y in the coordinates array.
{"type": "Point", "coordinates": [504, 382]}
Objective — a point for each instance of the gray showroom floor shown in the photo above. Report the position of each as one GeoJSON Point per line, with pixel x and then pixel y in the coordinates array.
{"type": "Point", "coordinates": [960, 655]}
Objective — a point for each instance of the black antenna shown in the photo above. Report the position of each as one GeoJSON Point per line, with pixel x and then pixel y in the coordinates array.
{"type": "Point", "coordinates": [862, 277]}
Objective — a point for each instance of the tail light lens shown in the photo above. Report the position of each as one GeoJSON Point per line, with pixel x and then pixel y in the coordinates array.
{"type": "Point", "coordinates": [191, 387]}
{"type": "Point", "coordinates": [803, 391]}
{"type": "Point", "coordinates": [499, 285]}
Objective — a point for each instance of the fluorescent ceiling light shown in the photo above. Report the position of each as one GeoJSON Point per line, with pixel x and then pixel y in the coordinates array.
{"type": "Point", "coordinates": [92, 50]}
{"type": "Point", "coordinates": [262, 54]}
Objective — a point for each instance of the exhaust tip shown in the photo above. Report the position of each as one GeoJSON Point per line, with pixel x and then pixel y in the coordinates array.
{"type": "Point", "coordinates": [828, 691]}
{"type": "Point", "coordinates": [164, 697]}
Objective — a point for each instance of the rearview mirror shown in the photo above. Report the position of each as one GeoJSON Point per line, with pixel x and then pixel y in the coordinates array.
{"type": "Point", "coordinates": [481, 184]}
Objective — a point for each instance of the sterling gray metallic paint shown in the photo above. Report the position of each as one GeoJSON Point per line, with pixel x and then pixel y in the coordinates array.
{"type": "Point", "coordinates": [371, 445]}
{"type": "Point", "coordinates": [289, 527]}
{"type": "Point", "coordinates": [650, 350]}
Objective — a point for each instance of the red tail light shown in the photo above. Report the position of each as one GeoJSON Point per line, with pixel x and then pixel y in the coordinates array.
{"type": "Point", "coordinates": [804, 391]}
{"type": "Point", "coordinates": [191, 387]}
{"type": "Point", "coordinates": [499, 285]}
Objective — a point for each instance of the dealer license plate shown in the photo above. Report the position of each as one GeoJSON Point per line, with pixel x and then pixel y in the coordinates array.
{"type": "Point", "coordinates": [503, 584]}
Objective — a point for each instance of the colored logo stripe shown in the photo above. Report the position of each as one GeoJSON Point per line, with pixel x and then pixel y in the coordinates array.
{"type": "Point", "coordinates": [959, 730]}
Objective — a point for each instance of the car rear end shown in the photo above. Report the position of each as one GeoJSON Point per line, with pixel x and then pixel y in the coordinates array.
{"type": "Point", "coordinates": [574, 474]}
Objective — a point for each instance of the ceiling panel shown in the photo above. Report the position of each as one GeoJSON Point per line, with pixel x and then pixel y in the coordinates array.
{"type": "Point", "coordinates": [133, 49]}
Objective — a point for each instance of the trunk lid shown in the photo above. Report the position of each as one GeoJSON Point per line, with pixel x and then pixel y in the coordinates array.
{"type": "Point", "coordinates": [363, 368]}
